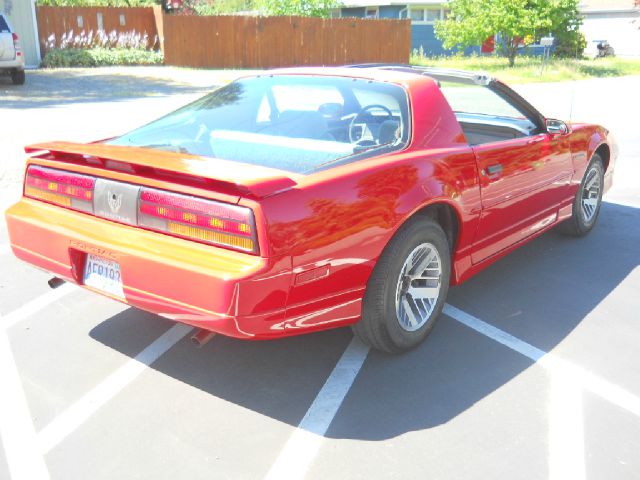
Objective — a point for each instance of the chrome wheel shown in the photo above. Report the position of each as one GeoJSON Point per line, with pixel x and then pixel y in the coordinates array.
{"type": "Point", "coordinates": [591, 194]}
{"type": "Point", "coordinates": [418, 287]}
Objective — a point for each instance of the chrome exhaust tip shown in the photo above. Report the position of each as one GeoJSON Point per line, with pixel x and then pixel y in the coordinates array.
{"type": "Point", "coordinates": [202, 337]}
{"type": "Point", "coordinates": [55, 282]}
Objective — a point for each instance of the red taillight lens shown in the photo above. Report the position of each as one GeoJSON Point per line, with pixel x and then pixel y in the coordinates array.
{"type": "Point", "coordinates": [62, 188]}
{"type": "Point", "coordinates": [197, 219]}
{"type": "Point", "coordinates": [16, 44]}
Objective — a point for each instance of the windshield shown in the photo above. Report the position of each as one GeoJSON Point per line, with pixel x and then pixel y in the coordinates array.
{"type": "Point", "coordinates": [294, 123]}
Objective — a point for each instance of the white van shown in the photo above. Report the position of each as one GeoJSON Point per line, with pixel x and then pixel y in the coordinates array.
{"type": "Point", "coordinates": [11, 58]}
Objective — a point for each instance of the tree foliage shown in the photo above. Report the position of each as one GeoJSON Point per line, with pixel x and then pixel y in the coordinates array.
{"type": "Point", "coordinates": [515, 22]}
{"type": "Point", "coordinates": [565, 28]}
{"type": "Point", "coordinates": [304, 8]}
{"type": "Point", "coordinates": [221, 7]}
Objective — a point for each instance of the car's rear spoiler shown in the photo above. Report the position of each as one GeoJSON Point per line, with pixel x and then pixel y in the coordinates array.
{"type": "Point", "coordinates": [245, 179]}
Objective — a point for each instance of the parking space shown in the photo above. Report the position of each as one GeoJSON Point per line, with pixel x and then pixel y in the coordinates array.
{"type": "Point", "coordinates": [531, 373]}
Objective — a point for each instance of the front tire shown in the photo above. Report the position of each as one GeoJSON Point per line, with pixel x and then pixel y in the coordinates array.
{"type": "Point", "coordinates": [18, 77]}
{"type": "Point", "coordinates": [586, 205]}
{"type": "Point", "coordinates": [407, 289]}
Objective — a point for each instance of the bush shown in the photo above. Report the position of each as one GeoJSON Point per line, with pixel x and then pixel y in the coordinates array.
{"type": "Point", "coordinates": [101, 39]}
{"type": "Point", "coordinates": [97, 57]}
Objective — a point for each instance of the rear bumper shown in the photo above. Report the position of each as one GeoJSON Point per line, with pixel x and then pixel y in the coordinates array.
{"type": "Point", "coordinates": [228, 292]}
{"type": "Point", "coordinates": [12, 64]}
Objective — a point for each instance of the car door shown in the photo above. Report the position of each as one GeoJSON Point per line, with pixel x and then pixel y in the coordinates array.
{"type": "Point", "coordinates": [524, 171]}
{"type": "Point", "coordinates": [523, 182]}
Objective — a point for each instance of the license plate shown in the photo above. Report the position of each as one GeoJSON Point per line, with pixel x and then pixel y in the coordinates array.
{"type": "Point", "coordinates": [104, 275]}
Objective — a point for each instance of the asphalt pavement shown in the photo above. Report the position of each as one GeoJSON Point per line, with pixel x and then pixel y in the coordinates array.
{"type": "Point", "coordinates": [531, 373]}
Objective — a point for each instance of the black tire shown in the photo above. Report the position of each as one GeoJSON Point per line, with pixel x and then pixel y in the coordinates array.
{"type": "Point", "coordinates": [380, 326]}
{"type": "Point", "coordinates": [18, 77]}
{"type": "Point", "coordinates": [578, 225]}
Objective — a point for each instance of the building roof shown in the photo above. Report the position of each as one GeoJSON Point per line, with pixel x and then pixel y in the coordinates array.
{"type": "Point", "coordinates": [606, 5]}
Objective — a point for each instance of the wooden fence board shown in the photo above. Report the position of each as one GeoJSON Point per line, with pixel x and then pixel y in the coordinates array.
{"type": "Point", "coordinates": [266, 42]}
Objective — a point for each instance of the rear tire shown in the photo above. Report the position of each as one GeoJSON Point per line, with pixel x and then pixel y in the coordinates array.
{"type": "Point", "coordinates": [18, 77]}
{"type": "Point", "coordinates": [407, 289]}
{"type": "Point", "coordinates": [586, 204]}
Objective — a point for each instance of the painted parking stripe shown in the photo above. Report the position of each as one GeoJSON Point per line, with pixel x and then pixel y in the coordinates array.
{"type": "Point", "coordinates": [566, 430]}
{"type": "Point", "coordinates": [587, 380]}
{"type": "Point", "coordinates": [79, 412]}
{"type": "Point", "coordinates": [305, 442]}
{"type": "Point", "coordinates": [16, 428]}
{"type": "Point", "coordinates": [35, 305]}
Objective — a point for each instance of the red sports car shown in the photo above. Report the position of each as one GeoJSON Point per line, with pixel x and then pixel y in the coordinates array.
{"type": "Point", "coordinates": [311, 198]}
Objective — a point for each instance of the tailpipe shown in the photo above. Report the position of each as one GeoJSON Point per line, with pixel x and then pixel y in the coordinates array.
{"type": "Point", "coordinates": [201, 337]}
{"type": "Point", "coordinates": [55, 282]}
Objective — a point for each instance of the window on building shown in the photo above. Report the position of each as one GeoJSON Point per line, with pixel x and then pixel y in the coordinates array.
{"type": "Point", "coordinates": [100, 21]}
{"type": "Point", "coordinates": [123, 20]}
{"type": "Point", "coordinates": [80, 21]}
{"type": "Point", "coordinates": [371, 12]}
{"type": "Point", "coordinates": [427, 15]}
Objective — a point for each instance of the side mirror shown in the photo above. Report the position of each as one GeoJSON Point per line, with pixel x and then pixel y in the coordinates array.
{"type": "Point", "coordinates": [557, 127]}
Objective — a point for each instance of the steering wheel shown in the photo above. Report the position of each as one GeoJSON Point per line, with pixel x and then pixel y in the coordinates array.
{"type": "Point", "coordinates": [363, 110]}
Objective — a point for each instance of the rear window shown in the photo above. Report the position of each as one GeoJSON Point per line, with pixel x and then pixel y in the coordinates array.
{"type": "Point", "coordinates": [295, 123]}
{"type": "Point", "coordinates": [4, 28]}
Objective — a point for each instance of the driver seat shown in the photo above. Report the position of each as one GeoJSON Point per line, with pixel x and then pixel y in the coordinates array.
{"type": "Point", "coordinates": [388, 132]}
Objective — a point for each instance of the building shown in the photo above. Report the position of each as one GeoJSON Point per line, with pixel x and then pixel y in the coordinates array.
{"type": "Point", "coordinates": [423, 15]}
{"type": "Point", "coordinates": [22, 17]}
{"type": "Point", "coordinates": [617, 21]}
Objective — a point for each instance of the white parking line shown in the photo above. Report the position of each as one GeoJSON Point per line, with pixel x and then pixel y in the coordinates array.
{"type": "Point", "coordinates": [566, 430]}
{"type": "Point", "coordinates": [16, 427]}
{"type": "Point", "coordinates": [80, 411]}
{"type": "Point", "coordinates": [303, 445]}
{"type": "Point", "coordinates": [605, 389]}
{"type": "Point", "coordinates": [35, 305]}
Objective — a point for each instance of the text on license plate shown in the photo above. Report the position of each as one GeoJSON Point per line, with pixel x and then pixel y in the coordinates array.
{"type": "Point", "coordinates": [103, 274]}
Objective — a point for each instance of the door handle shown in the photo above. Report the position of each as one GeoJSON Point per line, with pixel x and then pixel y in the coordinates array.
{"type": "Point", "coordinates": [536, 139]}
{"type": "Point", "coordinates": [494, 169]}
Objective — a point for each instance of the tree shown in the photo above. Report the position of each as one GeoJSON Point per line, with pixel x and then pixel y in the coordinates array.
{"type": "Point", "coordinates": [565, 21]}
{"type": "Point", "coordinates": [304, 8]}
{"type": "Point", "coordinates": [472, 21]}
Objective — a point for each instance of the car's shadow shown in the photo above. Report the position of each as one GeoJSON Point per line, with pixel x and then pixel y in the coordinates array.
{"type": "Point", "coordinates": [539, 293]}
{"type": "Point", "coordinates": [52, 88]}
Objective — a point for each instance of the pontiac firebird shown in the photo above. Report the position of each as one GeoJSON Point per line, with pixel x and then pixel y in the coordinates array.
{"type": "Point", "coordinates": [311, 198]}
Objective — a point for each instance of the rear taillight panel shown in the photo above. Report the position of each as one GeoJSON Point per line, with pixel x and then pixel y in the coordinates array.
{"type": "Point", "coordinates": [184, 216]}
{"type": "Point", "coordinates": [16, 45]}
{"type": "Point", "coordinates": [67, 189]}
{"type": "Point", "coordinates": [197, 219]}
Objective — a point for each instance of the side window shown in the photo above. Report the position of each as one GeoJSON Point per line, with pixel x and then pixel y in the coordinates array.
{"type": "Point", "coordinates": [478, 99]}
{"type": "Point", "coordinates": [484, 116]}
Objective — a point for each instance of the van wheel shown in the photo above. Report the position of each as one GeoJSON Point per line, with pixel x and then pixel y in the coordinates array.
{"type": "Point", "coordinates": [407, 289]}
{"type": "Point", "coordinates": [18, 77]}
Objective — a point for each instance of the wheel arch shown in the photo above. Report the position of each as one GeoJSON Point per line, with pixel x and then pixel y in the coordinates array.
{"type": "Point", "coordinates": [605, 153]}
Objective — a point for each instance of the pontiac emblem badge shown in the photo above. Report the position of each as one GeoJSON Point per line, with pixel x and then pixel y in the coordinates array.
{"type": "Point", "coordinates": [115, 201]}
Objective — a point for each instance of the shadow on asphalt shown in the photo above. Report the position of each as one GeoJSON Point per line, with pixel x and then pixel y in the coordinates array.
{"type": "Point", "coordinates": [538, 293]}
{"type": "Point", "coordinates": [51, 88]}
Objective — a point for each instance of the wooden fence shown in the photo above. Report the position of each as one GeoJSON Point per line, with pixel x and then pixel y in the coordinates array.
{"type": "Point", "coordinates": [242, 41]}
{"type": "Point", "coordinates": [264, 42]}
{"type": "Point", "coordinates": [60, 20]}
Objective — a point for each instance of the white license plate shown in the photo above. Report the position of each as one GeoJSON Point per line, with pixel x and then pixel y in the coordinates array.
{"type": "Point", "coordinates": [103, 274]}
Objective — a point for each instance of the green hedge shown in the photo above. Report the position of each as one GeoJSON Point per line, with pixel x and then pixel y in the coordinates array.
{"type": "Point", "coordinates": [97, 57]}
